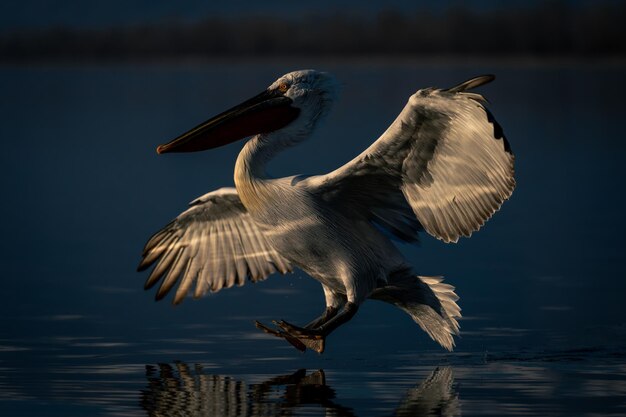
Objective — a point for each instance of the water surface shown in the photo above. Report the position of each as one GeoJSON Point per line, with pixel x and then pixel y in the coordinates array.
{"type": "Point", "coordinates": [541, 285]}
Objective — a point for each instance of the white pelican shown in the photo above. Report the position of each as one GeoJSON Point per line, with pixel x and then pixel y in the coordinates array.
{"type": "Point", "coordinates": [443, 167]}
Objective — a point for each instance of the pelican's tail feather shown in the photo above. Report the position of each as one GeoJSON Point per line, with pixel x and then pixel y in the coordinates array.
{"type": "Point", "coordinates": [430, 303]}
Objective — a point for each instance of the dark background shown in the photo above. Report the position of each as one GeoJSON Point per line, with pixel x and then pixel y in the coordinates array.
{"type": "Point", "coordinates": [88, 90]}
{"type": "Point", "coordinates": [139, 30]}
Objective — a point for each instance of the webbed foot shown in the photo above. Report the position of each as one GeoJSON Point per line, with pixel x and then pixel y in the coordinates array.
{"type": "Point", "coordinates": [311, 338]}
{"type": "Point", "coordinates": [294, 341]}
{"type": "Point", "coordinates": [298, 337]}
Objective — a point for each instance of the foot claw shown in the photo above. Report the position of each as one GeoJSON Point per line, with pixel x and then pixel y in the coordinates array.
{"type": "Point", "coordinates": [292, 340]}
{"type": "Point", "coordinates": [266, 329]}
{"type": "Point", "coordinates": [311, 338]}
{"type": "Point", "coordinates": [299, 337]}
{"type": "Point", "coordinates": [296, 330]}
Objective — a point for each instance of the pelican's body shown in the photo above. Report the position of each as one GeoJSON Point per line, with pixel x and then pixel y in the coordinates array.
{"type": "Point", "coordinates": [443, 166]}
{"type": "Point", "coordinates": [347, 255]}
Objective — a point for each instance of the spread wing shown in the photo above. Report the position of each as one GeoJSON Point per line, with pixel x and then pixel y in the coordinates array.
{"type": "Point", "coordinates": [214, 244]}
{"type": "Point", "coordinates": [444, 161]}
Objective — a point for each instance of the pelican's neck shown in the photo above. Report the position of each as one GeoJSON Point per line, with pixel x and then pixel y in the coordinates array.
{"type": "Point", "coordinates": [251, 178]}
{"type": "Point", "coordinates": [252, 160]}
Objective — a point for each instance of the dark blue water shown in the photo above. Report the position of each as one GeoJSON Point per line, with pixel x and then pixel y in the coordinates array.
{"type": "Point", "coordinates": [542, 285]}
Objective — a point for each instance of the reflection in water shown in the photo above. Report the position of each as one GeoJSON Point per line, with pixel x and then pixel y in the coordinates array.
{"type": "Point", "coordinates": [183, 390]}
{"type": "Point", "coordinates": [435, 396]}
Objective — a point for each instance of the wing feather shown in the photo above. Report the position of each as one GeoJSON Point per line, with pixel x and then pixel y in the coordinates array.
{"type": "Point", "coordinates": [157, 238]}
{"type": "Point", "coordinates": [444, 162]}
{"type": "Point", "coordinates": [172, 275]}
{"type": "Point", "coordinates": [188, 278]}
{"type": "Point", "coordinates": [257, 252]}
{"type": "Point", "coordinates": [214, 244]}
{"type": "Point", "coordinates": [248, 247]}
{"type": "Point", "coordinates": [162, 266]}
{"type": "Point", "coordinates": [238, 254]}
{"type": "Point", "coordinates": [229, 248]}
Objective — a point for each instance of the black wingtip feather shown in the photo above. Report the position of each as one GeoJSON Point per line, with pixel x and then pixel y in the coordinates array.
{"type": "Point", "coordinates": [498, 132]}
{"type": "Point", "coordinates": [472, 83]}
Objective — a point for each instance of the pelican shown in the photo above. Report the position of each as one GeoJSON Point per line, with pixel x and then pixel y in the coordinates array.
{"type": "Point", "coordinates": [443, 167]}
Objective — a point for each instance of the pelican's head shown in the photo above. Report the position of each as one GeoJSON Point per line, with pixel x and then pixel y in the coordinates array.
{"type": "Point", "coordinates": [293, 105]}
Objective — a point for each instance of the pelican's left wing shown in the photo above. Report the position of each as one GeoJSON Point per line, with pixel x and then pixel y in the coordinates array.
{"type": "Point", "coordinates": [214, 244]}
{"type": "Point", "coordinates": [444, 161]}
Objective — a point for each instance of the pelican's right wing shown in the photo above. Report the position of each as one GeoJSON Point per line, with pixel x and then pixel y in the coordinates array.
{"type": "Point", "coordinates": [214, 244]}
{"type": "Point", "coordinates": [443, 162]}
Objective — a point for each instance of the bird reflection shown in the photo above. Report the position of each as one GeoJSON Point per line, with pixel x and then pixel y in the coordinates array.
{"type": "Point", "coordinates": [435, 396]}
{"type": "Point", "coordinates": [183, 390]}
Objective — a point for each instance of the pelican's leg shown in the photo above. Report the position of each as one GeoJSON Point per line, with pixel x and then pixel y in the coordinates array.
{"type": "Point", "coordinates": [310, 336]}
{"type": "Point", "coordinates": [329, 313]}
{"type": "Point", "coordinates": [334, 303]}
{"type": "Point", "coordinates": [315, 338]}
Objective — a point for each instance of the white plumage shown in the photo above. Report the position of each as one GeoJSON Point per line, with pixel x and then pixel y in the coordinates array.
{"type": "Point", "coordinates": [443, 166]}
{"type": "Point", "coordinates": [215, 243]}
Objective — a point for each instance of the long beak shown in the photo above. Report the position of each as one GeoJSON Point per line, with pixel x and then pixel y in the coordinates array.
{"type": "Point", "coordinates": [264, 113]}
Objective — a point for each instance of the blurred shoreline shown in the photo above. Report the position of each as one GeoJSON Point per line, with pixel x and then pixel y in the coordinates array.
{"type": "Point", "coordinates": [551, 33]}
{"type": "Point", "coordinates": [371, 61]}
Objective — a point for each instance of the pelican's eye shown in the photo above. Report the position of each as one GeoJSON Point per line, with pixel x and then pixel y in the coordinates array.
{"type": "Point", "coordinates": [283, 87]}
